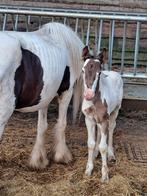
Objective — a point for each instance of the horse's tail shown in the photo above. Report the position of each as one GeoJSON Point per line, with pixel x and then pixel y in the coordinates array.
{"type": "Point", "coordinates": [77, 98]}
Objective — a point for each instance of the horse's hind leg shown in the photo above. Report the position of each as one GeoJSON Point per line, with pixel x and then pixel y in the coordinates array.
{"type": "Point", "coordinates": [62, 153]}
{"type": "Point", "coordinates": [38, 155]}
{"type": "Point", "coordinates": [5, 113]}
{"type": "Point", "coordinates": [112, 125]}
{"type": "Point", "coordinates": [7, 102]}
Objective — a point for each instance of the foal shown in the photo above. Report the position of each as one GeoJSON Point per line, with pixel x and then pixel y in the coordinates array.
{"type": "Point", "coordinates": [103, 93]}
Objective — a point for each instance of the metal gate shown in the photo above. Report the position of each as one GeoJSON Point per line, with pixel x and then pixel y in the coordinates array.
{"type": "Point", "coordinates": [123, 34]}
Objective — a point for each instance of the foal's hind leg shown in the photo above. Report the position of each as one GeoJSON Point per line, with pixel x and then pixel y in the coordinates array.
{"type": "Point", "coordinates": [38, 155]}
{"type": "Point", "coordinates": [112, 125]}
{"type": "Point", "coordinates": [62, 153]}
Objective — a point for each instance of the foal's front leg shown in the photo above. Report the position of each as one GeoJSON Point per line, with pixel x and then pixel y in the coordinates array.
{"type": "Point", "coordinates": [90, 124]}
{"type": "Point", "coordinates": [38, 156]}
{"type": "Point", "coordinates": [62, 153]}
{"type": "Point", "coordinates": [103, 147]}
{"type": "Point", "coordinates": [96, 150]}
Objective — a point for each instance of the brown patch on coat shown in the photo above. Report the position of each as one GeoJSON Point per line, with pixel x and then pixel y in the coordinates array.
{"type": "Point", "coordinates": [28, 80]}
{"type": "Point", "coordinates": [65, 84]}
{"type": "Point", "coordinates": [99, 110]}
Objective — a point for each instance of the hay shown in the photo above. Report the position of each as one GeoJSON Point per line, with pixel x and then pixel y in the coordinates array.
{"type": "Point", "coordinates": [17, 179]}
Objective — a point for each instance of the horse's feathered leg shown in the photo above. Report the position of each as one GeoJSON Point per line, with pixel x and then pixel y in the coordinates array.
{"type": "Point", "coordinates": [5, 113]}
{"type": "Point", "coordinates": [38, 155]}
{"type": "Point", "coordinates": [7, 102]}
{"type": "Point", "coordinates": [62, 153]}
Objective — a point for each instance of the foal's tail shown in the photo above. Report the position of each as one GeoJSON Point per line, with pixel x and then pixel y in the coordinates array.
{"type": "Point", "coordinates": [77, 98]}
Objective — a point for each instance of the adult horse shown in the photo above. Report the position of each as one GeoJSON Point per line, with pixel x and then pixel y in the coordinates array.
{"type": "Point", "coordinates": [34, 68]}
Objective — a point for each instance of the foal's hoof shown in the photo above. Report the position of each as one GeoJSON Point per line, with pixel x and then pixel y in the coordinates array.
{"type": "Point", "coordinates": [89, 169]}
{"type": "Point", "coordinates": [105, 179]}
{"type": "Point", "coordinates": [88, 172]}
{"type": "Point", "coordinates": [112, 159]}
{"type": "Point", "coordinates": [96, 154]}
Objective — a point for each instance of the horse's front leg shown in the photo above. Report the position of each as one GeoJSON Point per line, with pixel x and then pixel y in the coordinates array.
{"type": "Point", "coordinates": [62, 153]}
{"type": "Point", "coordinates": [38, 155]}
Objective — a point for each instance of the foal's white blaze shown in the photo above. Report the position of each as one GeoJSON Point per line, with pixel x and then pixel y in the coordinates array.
{"type": "Point", "coordinates": [89, 93]}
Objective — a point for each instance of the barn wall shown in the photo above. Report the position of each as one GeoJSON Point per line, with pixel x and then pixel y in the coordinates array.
{"type": "Point", "coordinates": [121, 5]}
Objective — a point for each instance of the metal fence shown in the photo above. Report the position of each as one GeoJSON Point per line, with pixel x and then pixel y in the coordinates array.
{"type": "Point", "coordinates": [124, 34]}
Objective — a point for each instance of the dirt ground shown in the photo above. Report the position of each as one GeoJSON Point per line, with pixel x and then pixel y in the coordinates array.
{"type": "Point", "coordinates": [128, 176]}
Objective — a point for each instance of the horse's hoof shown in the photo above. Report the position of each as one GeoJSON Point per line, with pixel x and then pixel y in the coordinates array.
{"type": "Point", "coordinates": [38, 164]}
{"type": "Point", "coordinates": [65, 158]}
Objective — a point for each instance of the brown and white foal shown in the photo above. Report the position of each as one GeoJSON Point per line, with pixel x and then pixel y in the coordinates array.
{"type": "Point", "coordinates": [103, 92]}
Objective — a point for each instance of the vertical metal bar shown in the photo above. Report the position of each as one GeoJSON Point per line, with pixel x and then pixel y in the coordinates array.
{"type": "Point", "coordinates": [13, 21]}
{"type": "Point", "coordinates": [111, 39]}
{"type": "Point", "coordinates": [65, 19]}
{"type": "Point", "coordinates": [100, 35]}
{"type": "Point", "coordinates": [16, 22]}
{"type": "Point", "coordinates": [88, 31]}
{"type": "Point", "coordinates": [123, 47]}
{"type": "Point", "coordinates": [27, 23]}
{"type": "Point", "coordinates": [76, 25]}
{"type": "Point", "coordinates": [96, 35]}
{"type": "Point", "coordinates": [53, 19]}
{"type": "Point", "coordinates": [4, 22]}
{"type": "Point", "coordinates": [82, 29]}
{"type": "Point", "coordinates": [29, 19]}
{"type": "Point", "coordinates": [136, 46]}
{"type": "Point", "coordinates": [40, 22]}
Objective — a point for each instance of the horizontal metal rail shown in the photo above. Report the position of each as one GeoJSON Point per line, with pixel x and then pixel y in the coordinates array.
{"type": "Point", "coordinates": [72, 10]}
{"type": "Point", "coordinates": [73, 15]}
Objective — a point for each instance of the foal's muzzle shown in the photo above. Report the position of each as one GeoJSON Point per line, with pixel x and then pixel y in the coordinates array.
{"type": "Point", "coordinates": [89, 94]}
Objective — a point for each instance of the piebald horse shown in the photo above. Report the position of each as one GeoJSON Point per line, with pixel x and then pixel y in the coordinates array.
{"type": "Point", "coordinates": [34, 68]}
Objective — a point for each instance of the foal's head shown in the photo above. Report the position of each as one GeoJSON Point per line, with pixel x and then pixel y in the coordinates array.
{"type": "Point", "coordinates": [91, 71]}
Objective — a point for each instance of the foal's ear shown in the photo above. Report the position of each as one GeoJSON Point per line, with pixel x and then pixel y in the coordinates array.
{"type": "Point", "coordinates": [103, 56]}
{"type": "Point", "coordinates": [85, 53]}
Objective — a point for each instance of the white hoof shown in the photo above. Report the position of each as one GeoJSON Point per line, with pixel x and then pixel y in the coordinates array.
{"type": "Point", "coordinates": [63, 156]}
{"type": "Point", "coordinates": [89, 169]}
{"type": "Point", "coordinates": [96, 153]}
{"type": "Point", "coordinates": [105, 179]}
{"type": "Point", "coordinates": [38, 159]}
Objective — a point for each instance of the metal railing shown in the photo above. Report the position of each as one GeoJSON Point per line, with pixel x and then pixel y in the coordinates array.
{"type": "Point", "coordinates": [122, 33]}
